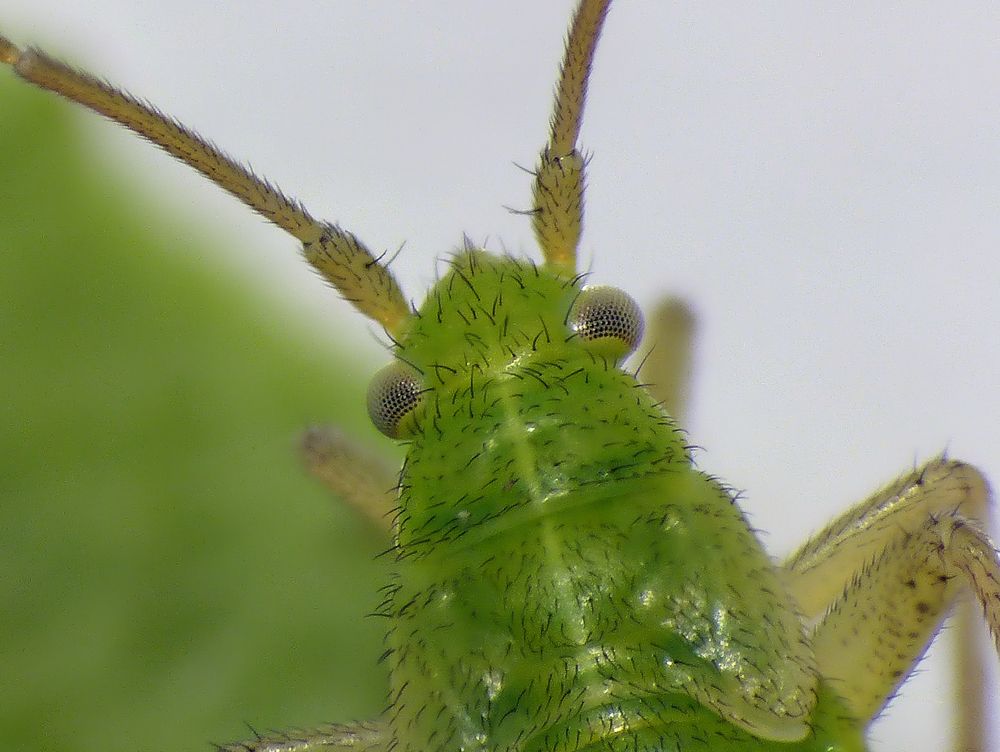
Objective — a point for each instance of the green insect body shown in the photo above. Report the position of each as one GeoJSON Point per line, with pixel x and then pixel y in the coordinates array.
{"type": "Point", "coordinates": [566, 580]}
{"type": "Point", "coordinates": [555, 589]}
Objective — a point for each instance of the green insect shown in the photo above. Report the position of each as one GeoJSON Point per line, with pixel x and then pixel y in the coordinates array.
{"type": "Point", "coordinates": [565, 578]}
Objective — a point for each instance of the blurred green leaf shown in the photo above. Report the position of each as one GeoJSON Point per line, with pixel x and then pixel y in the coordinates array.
{"type": "Point", "coordinates": [167, 571]}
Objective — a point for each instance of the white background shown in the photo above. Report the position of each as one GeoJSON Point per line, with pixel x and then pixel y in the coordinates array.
{"type": "Point", "coordinates": [823, 183]}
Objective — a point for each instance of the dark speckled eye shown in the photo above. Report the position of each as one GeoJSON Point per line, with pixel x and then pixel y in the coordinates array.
{"type": "Point", "coordinates": [609, 318]}
{"type": "Point", "coordinates": [392, 395]}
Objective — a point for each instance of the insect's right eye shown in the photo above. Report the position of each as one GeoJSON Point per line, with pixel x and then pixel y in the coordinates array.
{"type": "Point", "coordinates": [392, 395]}
{"type": "Point", "coordinates": [607, 319]}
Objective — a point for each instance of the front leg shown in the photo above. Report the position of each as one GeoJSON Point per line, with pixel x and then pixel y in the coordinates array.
{"type": "Point", "coordinates": [365, 482]}
{"type": "Point", "coordinates": [359, 737]}
{"type": "Point", "coordinates": [876, 584]}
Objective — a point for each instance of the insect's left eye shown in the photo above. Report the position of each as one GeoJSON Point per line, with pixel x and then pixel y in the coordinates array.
{"type": "Point", "coordinates": [393, 394]}
{"type": "Point", "coordinates": [609, 318]}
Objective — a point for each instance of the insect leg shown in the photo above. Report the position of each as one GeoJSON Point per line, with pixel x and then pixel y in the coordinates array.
{"type": "Point", "coordinates": [969, 673]}
{"type": "Point", "coordinates": [667, 369]}
{"type": "Point", "coordinates": [877, 582]}
{"type": "Point", "coordinates": [356, 476]}
{"type": "Point", "coordinates": [335, 253]}
{"type": "Point", "coordinates": [557, 214]}
{"type": "Point", "coordinates": [361, 737]}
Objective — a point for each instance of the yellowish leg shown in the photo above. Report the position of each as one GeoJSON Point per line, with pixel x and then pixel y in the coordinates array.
{"type": "Point", "coordinates": [361, 737]}
{"type": "Point", "coordinates": [667, 369]}
{"type": "Point", "coordinates": [366, 482]}
{"type": "Point", "coordinates": [878, 581]}
{"type": "Point", "coordinates": [969, 676]}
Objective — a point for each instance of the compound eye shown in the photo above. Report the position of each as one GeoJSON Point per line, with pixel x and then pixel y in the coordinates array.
{"type": "Point", "coordinates": [393, 394]}
{"type": "Point", "coordinates": [609, 319]}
